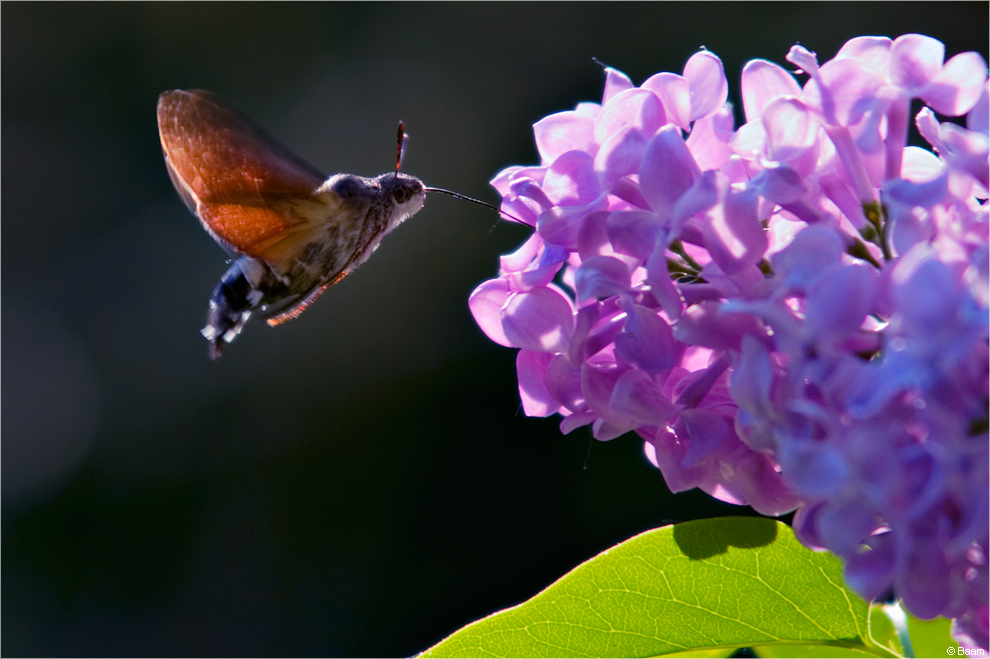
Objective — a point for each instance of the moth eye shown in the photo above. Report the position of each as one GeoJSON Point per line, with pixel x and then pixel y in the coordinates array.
{"type": "Point", "coordinates": [401, 195]}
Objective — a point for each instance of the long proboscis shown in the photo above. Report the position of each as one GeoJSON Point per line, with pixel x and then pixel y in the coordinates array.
{"type": "Point", "coordinates": [476, 201]}
{"type": "Point", "coordinates": [400, 153]}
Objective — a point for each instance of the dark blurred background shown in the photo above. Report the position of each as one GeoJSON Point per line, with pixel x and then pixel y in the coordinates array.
{"type": "Point", "coordinates": [360, 481]}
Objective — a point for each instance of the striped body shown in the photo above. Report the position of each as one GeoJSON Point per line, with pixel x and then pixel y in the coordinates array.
{"type": "Point", "coordinates": [366, 210]}
{"type": "Point", "coordinates": [296, 232]}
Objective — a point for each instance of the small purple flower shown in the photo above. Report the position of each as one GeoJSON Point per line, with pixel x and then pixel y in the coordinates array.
{"type": "Point", "coordinates": [792, 313]}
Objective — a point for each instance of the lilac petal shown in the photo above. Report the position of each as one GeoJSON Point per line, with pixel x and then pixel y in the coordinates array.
{"type": "Point", "coordinates": [848, 93]}
{"type": "Point", "coordinates": [750, 141]}
{"type": "Point", "coordinates": [636, 395]}
{"type": "Point", "coordinates": [914, 60]}
{"type": "Point", "coordinates": [707, 325]}
{"type": "Point", "coordinates": [839, 301]}
{"type": "Point", "coordinates": [629, 191]}
{"type": "Point", "coordinates": [972, 629]}
{"type": "Point", "coordinates": [553, 255]}
{"type": "Point", "coordinates": [733, 233]}
{"type": "Point", "coordinates": [522, 198]}
{"type": "Point", "coordinates": [587, 316]}
{"type": "Point", "coordinates": [804, 525]}
{"type": "Point", "coordinates": [746, 282]}
{"type": "Point", "coordinates": [562, 132]}
{"type": "Point", "coordinates": [675, 95]}
{"type": "Point", "coordinates": [880, 382]}
{"type": "Point", "coordinates": [752, 380]}
{"type": "Point", "coordinates": [718, 479]}
{"type": "Point", "coordinates": [650, 451]}
{"type": "Point", "coordinates": [561, 225]}
{"type": "Point", "coordinates": [619, 156]}
{"type": "Point", "coordinates": [924, 291]}
{"type": "Point", "coordinates": [634, 233]}
{"type": "Point", "coordinates": [710, 137]}
{"type": "Point", "coordinates": [572, 422]}
{"type": "Point", "coordinates": [922, 581]}
{"type": "Point", "coordinates": [661, 286]}
{"type": "Point", "coordinates": [924, 183]}
{"type": "Point", "coordinates": [615, 82]}
{"type": "Point", "coordinates": [790, 129]}
{"type": "Point", "coordinates": [840, 193]}
{"type": "Point", "coordinates": [701, 196]}
{"type": "Point", "coordinates": [870, 572]}
{"type": "Point", "coordinates": [706, 80]}
{"type": "Point", "coordinates": [873, 51]}
{"type": "Point", "coordinates": [914, 486]}
{"type": "Point", "coordinates": [597, 382]}
{"type": "Point", "coordinates": [504, 179]}
{"type": "Point", "coordinates": [604, 431]}
{"type": "Point", "coordinates": [592, 238]}
{"type": "Point", "coordinates": [540, 320]}
{"type": "Point", "coordinates": [763, 81]}
{"type": "Point", "coordinates": [646, 341]}
{"type": "Point", "coordinates": [978, 119]}
{"type": "Point", "coordinates": [780, 229]}
{"type": "Point", "coordinates": [588, 109]}
{"type": "Point", "coordinates": [531, 369]}
{"type": "Point", "coordinates": [530, 189]}
{"type": "Point", "coordinates": [520, 210]}
{"type": "Point", "coordinates": [780, 184]}
{"type": "Point", "coordinates": [524, 271]}
{"type": "Point", "coordinates": [788, 330]}
{"type": "Point", "coordinates": [967, 150]}
{"type": "Point", "coordinates": [706, 432]}
{"type": "Point", "coordinates": [891, 103]}
{"type": "Point", "coordinates": [600, 277]}
{"type": "Point", "coordinates": [697, 293]}
{"type": "Point", "coordinates": [811, 251]}
{"type": "Point", "coordinates": [803, 58]}
{"type": "Point", "coordinates": [957, 88]}
{"type": "Point", "coordinates": [520, 259]}
{"type": "Point", "coordinates": [762, 487]}
{"type": "Point", "coordinates": [603, 334]}
{"type": "Point", "coordinates": [668, 455]}
{"type": "Point", "coordinates": [668, 170]}
{"type": "Point", "coordinates": [844, 525]}
{"type": "Point", "coordinates": [633, 108]}
{"type": "Point", "coordinates": [486, 304]}
{"type": "Point", "coordinates": [522, 282]}
{"type": "Point", "coordinates": [564, 383]}
{"type": "Point", "coordinates": [854, 166]}
{"type": "Point", "coordinates": [571, 180]}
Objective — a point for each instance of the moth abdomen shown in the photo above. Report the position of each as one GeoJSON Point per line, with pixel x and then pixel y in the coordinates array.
{"type": "Point", "coordinates": [297, 231]}
{"type": "Point", "coordinates": [246, 286]}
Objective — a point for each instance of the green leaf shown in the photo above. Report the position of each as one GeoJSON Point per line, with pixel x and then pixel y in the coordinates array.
{"type": "Point", "coordinates": [882, 633]}
{"type": "Point", "coordinates": [931, 638]}
{"type": "Point", "coordinates": [811, 651]}
{"type": "Point", "coordinates": [715, 584]}
{"type": "Point", "coordinates": [882, 630]}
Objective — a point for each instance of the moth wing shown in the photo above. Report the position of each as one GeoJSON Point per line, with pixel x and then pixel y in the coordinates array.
{"type": "Point", "coordinates": [249, 191]}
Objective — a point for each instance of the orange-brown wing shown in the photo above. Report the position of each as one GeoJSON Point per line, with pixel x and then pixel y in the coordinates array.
{"type": "Point", "coordinates": [239, 180]}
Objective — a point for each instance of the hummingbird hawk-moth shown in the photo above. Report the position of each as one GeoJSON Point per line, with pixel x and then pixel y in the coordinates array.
{"type": "Point", "coordinates": [295, 231]}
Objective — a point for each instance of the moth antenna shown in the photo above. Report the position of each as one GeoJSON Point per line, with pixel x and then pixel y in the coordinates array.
{"type": "Point", "coordinates": [400, 149]}
{"type": "Point", "coordinates": [476, 201]}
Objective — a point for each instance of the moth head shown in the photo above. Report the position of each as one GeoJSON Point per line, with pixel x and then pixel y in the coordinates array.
{"type": "Point", "coordinates": [406, 193]}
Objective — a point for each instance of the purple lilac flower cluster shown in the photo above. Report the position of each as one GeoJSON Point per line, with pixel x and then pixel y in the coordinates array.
{"type": "Point", "coordinates": [793, 314]}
